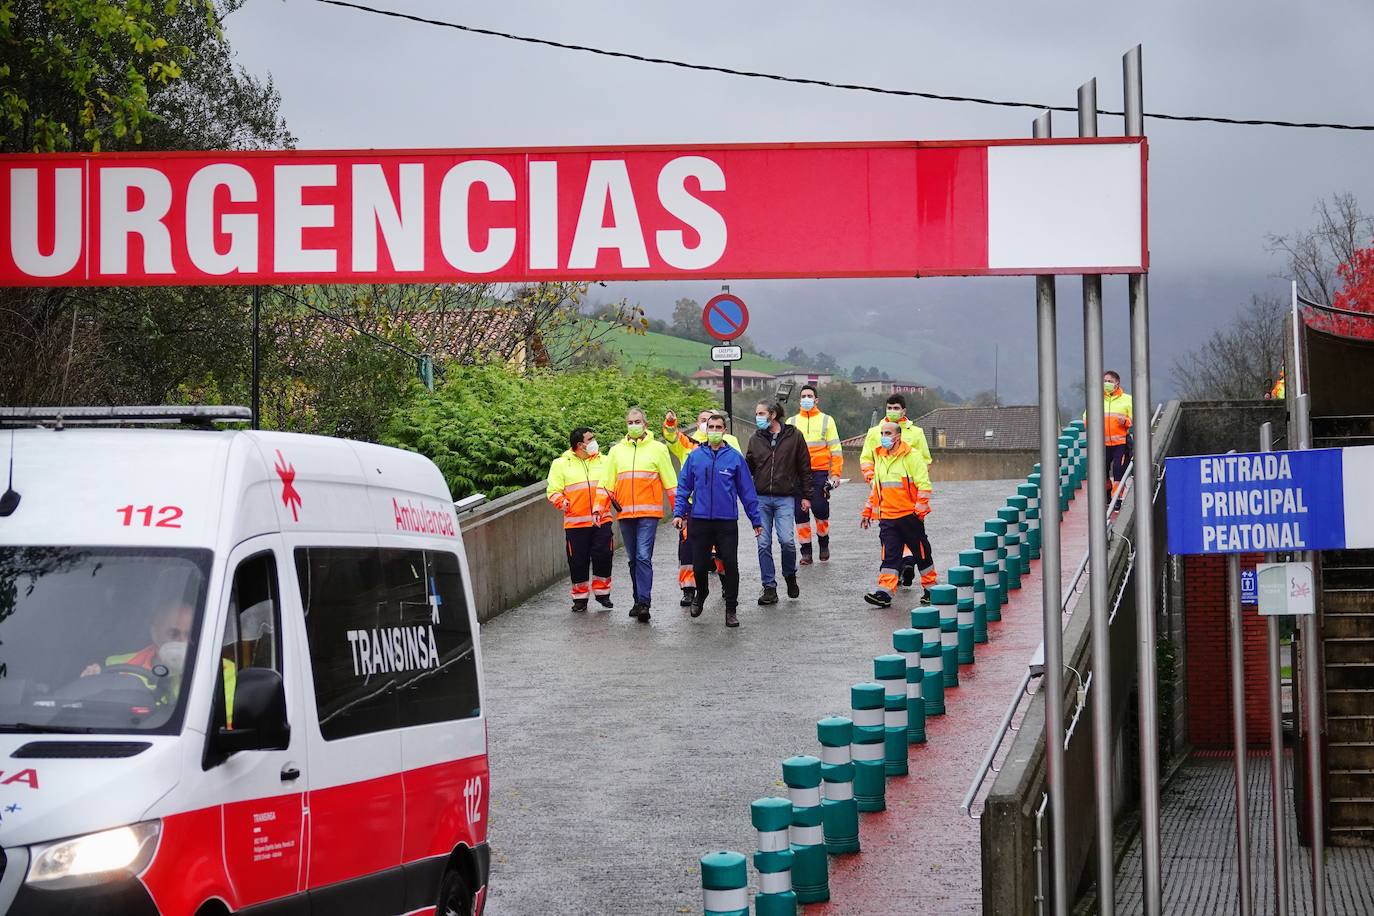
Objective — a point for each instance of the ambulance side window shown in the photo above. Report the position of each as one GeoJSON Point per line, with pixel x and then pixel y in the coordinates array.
{"type": "Point", "coordinates": [436, 659]}
{"type": "Point", "coordinates": [251, 631]}
{"type": "Point", "coordinates": [351, 629]}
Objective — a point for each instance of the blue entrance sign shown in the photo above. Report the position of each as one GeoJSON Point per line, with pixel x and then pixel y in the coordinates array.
{"type": "Point", "coordinates": [1249, 586]}
{"type": "Point", "coordinates": [1261, 501]}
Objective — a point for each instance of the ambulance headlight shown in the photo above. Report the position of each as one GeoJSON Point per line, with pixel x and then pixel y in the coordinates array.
{"type": "Point", "coordinates": [94, 858]}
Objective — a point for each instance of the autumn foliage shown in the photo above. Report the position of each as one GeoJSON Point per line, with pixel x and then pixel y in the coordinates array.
{"type": "Point", "coordinates": [1355, 295]}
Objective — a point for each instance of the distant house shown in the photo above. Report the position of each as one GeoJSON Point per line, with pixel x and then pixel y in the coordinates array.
{"type": "Point", "coordinates": [740, 380]}
{"type": "Point", "coordinates": [799, 377]}
{"type": "Point", "coordinates": [983, 427]}
{"type": "Point", "coordinates": [878, 387]}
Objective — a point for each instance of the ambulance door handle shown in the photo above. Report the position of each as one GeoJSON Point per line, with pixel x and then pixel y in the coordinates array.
{"type": "Point", "coordinates": [290, 773]}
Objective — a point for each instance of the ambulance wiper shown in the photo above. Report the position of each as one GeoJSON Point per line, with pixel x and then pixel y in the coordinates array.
{"type": "Point", "coordinates": [45, 729]}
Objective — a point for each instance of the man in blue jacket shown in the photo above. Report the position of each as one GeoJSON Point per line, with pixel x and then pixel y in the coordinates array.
{"type": "Point", "coordinates": [713, 483]}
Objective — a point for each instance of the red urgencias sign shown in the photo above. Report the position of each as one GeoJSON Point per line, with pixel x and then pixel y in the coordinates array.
{"type": "Point", "coordinates": [795, 210]}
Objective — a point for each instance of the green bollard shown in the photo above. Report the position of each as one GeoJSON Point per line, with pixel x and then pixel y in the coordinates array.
{"type": "Point", "coordinates": [839, 813]}
{"type": "Point", "coordinates": [1022, 506]}
{"type": "Point", "coordinates": [810, 868]}
{"type": "Point", "coordinates": [998, 527]}
{"type": "Point", "coordinates": [944, 598]}
{"type": "Point", "coordinates": [994, 611]}
{"type": "Point", "coordinates": [973, 559]}
{"type": "Point", "coordinates": [1014, 561]}
{"type": "Point", "coordinates": [961, 577]}
{"type": "Point", "coordinates": [870, 782]}
{"type": "Point", "coordinates": [890, 671]}
{"type": "Point", "coordinates": [725, 884]}
{"type": "Point", "coordinates": [771, 818]}
{"type": "Point", "coordinates": [986, 542]}
{"type": "Point", "coordinates": [927, 621]}
{"type": "Point", "coordinates": [1033, 536]}
{"type": "Point", "coordinates": [907, 642]}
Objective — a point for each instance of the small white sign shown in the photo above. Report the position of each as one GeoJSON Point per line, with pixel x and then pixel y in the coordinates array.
{"type": "Point", "coordinates": [1286, 588]}
{"type": "Point", "coordinates": [726, 354]}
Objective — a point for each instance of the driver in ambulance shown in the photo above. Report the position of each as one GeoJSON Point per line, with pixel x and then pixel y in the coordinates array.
{"type": "Point", "coordinates": [171, 633]}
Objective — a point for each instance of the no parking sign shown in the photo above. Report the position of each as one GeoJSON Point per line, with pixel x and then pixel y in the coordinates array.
{"type": "Point", "coordinates": [725, 317]}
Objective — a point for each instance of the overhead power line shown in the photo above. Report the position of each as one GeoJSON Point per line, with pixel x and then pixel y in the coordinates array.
{"type": "Point", "coordinates": [806, 81]}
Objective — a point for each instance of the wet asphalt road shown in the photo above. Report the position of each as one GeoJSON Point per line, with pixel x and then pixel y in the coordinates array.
{"type": "Point", "coordinates": [621, 752]}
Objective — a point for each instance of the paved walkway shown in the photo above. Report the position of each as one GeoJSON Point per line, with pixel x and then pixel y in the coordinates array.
{"type": "Point", "coordinates": [1198, 837]}
{"type": "Point", "coordinates": [621, 752]}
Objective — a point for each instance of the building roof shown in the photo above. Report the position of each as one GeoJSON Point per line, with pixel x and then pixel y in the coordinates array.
{"type": "Point", "coordinates": [967, 427]}
{"type": "Point", "coordinates": [888, 381]}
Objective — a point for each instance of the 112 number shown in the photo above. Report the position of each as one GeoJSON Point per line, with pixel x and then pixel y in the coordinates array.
{"type": "Point", "coordinates": [142, 516]}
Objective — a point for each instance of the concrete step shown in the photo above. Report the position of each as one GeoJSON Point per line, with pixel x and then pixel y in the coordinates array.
{"type": "Point", "coordinates": [1349, 624]}
{"type": "Point", "coordinates": [1350, 755]}
{"type": "Point", "coordinates": [1348, 650]}
{"type": "Point", "coordinates": [1351, 812]}
{"type": "Point", "coordinates": [1354, 675]}
{"type": "Point", "coordinates": [1351, 783]}
{"type": "Point", "coordinates": [1351, 836]}
{"type": "Point", "coordinates": [1350, 728]}
{"type": "Point", "coordinates": [1347, 701]}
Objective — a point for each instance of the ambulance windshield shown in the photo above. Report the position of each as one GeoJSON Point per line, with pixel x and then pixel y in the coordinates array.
{"type": "Point", "coordinates": [96, 639]}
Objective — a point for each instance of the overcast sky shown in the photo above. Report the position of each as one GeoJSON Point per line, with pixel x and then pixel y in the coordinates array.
{"type": "Point", "coordinates": [353, 80]}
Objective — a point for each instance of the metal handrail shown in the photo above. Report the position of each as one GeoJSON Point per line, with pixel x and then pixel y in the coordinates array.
{"type": "Point", "coordinates": [989, 757]}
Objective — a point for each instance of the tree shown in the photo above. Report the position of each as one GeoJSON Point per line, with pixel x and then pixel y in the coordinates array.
{"type": "Point", "coordinates": [986, 398]}
{"type": "Point", "coordinates": [851, 410]}
{"type": "Point", "coordinates": [1240, 360]}
{"type": "Point", "coordinates": [1356, 294]}
{"type": "Point", "coordinates": [1314, 255]}
{"type": "Point", "coordinates": [797, 358]}
{"type": "Point", "coordinates": [83, 74]}
{"type": "Point", "coordinates": [687, 321]}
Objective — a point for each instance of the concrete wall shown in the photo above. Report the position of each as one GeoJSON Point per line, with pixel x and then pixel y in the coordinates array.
{"type": "Point", "coordinates": [966, 463]}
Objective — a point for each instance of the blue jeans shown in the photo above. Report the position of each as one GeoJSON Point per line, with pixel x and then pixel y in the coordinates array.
{"type": "Point", "coordinates": [778, 515]}
{"type": "Point", "coordinates": [638, 535]}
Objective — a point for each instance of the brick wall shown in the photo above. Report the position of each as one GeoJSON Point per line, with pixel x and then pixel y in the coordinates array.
{"type": "Point", "coordinates": [1209, 656]}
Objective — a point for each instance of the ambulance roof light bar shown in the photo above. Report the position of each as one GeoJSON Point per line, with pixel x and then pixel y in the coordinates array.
{"type": "Point", "coordinates": [57, 417]}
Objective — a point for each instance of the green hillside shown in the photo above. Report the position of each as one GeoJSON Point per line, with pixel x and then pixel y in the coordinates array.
{"type": "Point", "coordinates": [662, 351]}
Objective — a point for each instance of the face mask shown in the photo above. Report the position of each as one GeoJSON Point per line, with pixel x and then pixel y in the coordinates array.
{"type": "Point", "coordinates": [1109, 387]}
{"type": "Point", "coordinates": [173, 655]}
{"type": "Point", "coordinates": [887, 441]}
{"type": "Point", "coordinates": [894, 415]}
{"type": "Point", "coordinates": [701, 428]}
{"type": "Point", "coordinates": [635, 429]}
{"type": "Point", "coordinates": [715, 436]}
{"type": "Point", "coordinates": [760, 422]}
{"type": "Point", "coordinates": [593, 447]}
{"type": "Point", "coordinates": [808, 403]}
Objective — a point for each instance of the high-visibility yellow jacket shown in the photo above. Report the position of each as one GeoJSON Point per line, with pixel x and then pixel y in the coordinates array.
{"type": "Point", "coordinates": [900, 485]}
{"type": "Point", "coordinates": [912, 435]}
{"type": "Point", "coordinates": [638, 476]}
{"type": "Point", "coordinates": [681, 445]}
{"type": "Point", "coordinates": [822, 440]}
{"type": "Point", "coordinates": [575, 488]}
{"type": "Point", "coordinates": [1117, 416]}
{"type": "Point", "coordinates": [144, 659]}
{"type": "Point", "coordinates": [1277, 391]}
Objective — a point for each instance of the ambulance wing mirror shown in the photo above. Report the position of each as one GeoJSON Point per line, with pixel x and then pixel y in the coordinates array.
{"type": "Point", "coordinates": [259, 722]}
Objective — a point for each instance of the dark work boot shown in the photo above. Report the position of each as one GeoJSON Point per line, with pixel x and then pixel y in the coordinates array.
{"type": "Point", "coordinates": [605, 601]}
{"type": "Point", "coordinates": [579, 605]}
{"type": "Point", "coordinates": [696, 608]}
{"type": "Point", "coordinates": [769, 596]}
{"type": "Point", "coordinates": [793, 591]}
{"type": "Point", "coordinates": [689, 595]}
{"type": "Point", "coordinates": [638, 606]}
{"type": "Point", "coordinates": [908, 576]}
{"type": "Point", "coordinates": [925, 597]}
{"type": "Point", "coordinates": [879, 599]}
{"type": "Point", "coordinates": [805, 559]}
{"type": "Point", "coordinates": [644, 613]}
{"type": "Point", "coordinates": [825, 548]}
{"type": "Point", "coordinates": [730, 619]}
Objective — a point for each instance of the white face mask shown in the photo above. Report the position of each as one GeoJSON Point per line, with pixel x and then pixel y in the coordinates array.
{"type": "Point", "coordinates": [173, 655]}
{"type": "Point", "coordinates": [592, 447]}
{"type": "Point", "coordinates": [701, 427]}
{"type": "Point", "coordinates": [808, 403]}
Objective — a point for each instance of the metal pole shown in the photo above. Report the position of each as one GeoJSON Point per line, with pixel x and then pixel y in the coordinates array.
{"type": "Point", "coordinates": [1097, 554]}
{"type": "Point", "coordinates": [729, 414]}
{"type": "Point", "coordinates": [257, 323]}
{"type": "Point", "coordinates": [1313, 705]}
{"type": "Point", "coordinates": [1276, 780]}
{"type": "Point", "coordinates": [1050, 600]}
{"type": "Point", "coordinates": [1147, 691]}
{"type": "Point", "coordinates": [1238, 734]}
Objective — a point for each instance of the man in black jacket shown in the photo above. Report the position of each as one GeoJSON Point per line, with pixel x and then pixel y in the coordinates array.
{"type": "Point", "coordinates": [778, 458]}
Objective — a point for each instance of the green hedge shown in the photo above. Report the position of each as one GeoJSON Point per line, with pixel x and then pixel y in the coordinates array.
{"type": "Point", "coordinates": [492, 430]}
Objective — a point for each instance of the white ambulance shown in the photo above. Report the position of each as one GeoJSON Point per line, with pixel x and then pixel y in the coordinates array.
{"type": "Point", "coordinates": [239, 672]}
